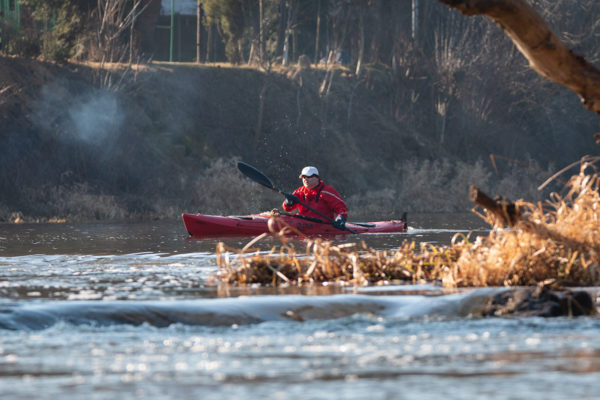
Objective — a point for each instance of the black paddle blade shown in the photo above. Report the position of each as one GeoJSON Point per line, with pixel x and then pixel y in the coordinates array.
{"type": "Point", "coordinates": [255, 175]}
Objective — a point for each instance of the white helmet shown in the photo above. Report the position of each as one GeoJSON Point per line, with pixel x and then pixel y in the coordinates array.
{"type": "Point", "coordinates": [309, 171]}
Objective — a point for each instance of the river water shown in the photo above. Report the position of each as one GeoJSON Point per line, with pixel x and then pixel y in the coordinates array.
{"type": "Point", "coordinates": [104, 311]}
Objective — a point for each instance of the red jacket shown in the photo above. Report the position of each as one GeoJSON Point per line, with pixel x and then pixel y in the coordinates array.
{"type": "Point", "coordinates": [323, 198]}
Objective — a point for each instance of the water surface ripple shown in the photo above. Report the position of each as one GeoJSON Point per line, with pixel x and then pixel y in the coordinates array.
{"type": "Point", "coordinates": [103, 311]}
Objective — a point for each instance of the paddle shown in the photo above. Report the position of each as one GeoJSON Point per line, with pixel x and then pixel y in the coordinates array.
{"type": "Point", "coordinates": [365, 224]}
{"type": "Point", "coordinates": [262, 179]}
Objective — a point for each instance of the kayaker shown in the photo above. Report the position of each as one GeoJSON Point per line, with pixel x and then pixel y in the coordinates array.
{"type": "Point", "coordinates": [318, 195]}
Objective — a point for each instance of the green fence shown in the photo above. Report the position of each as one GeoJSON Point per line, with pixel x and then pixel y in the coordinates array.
{"type": "Point", "coordinates": [10, 17]}
{"type": "Point", "coordinates": [10, 12]}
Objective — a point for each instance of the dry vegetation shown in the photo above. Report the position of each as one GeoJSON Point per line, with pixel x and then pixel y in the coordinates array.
{"type": "Point", "coordinates": [417, 186]}
{"type": "Point", "coordinates": [442, 185]}
{"type": "Point", "coordinates": [554, 243]}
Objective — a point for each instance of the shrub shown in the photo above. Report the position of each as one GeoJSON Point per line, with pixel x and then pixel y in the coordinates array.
{"type": "Point", "coordinates": [222, 189]}
{"type": "Point", "coordinates": [443, 186]}
{"type": "Point", "coordinates": [78, 202]}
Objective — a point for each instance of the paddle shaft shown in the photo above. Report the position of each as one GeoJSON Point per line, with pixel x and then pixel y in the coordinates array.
{"type": "Point", "coordinates": [320, 221]}
{"type": "Point", "coordinates": [304, 217]}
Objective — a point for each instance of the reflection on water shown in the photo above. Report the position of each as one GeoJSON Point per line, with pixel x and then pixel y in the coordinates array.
{"type": "Point", "coordinates": [128, 310]}
{"type": "Point", "coordinates": [157, 260]}
{"type": "Point", "coordinates": [170, 237]}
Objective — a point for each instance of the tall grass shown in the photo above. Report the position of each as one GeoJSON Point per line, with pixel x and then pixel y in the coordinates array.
{"type": "Point", "coordinates": [558, 240]}
{"type": "Point", "coordinates": [78, 202]}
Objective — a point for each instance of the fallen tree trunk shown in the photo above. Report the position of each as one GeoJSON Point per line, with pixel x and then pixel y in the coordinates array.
{"type": "Point", "coordinates": [504, 210]}
{"type": "Point", "coordinates": [547, 55]}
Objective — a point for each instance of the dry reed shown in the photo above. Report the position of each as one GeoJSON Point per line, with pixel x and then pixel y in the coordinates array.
{"type": "Point", "coordinates": [556, 242]}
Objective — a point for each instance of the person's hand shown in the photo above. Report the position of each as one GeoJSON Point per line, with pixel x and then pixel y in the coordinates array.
{"type": "Point", "coordinates": [340, 222]}
{"type": "Point", "coordinates": [290, 199]}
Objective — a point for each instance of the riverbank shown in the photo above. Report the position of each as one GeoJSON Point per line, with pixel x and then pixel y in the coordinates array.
{"type": "Point", "coordinates": [86, 143]}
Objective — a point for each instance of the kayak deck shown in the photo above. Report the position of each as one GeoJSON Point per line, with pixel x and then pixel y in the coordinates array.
{"type": "Point", "coordinates": [201, 225]}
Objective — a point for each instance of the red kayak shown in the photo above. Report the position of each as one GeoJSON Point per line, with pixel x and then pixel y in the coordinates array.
{"type": "Point", "coordinates": [201, 225]}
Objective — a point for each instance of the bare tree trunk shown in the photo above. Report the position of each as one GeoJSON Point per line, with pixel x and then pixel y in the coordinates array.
{"type": "Point", "coordinates": [361, 50]}
{"type": "Point", "coordinates": [131, 32]}
{"type": "Point", "coordinates": [240, 49]}
{"type": "Point", "coordinates": [289, 29]}
{"type": "Point", "coordinates": [209, 42]}
{"type": "Point", "coordinates": [547, 55]}
{"type": "Point", "coordinates": [252, 53]}
{"type": "Point", "coordinates": [316, 59]}
{"type": "Point", "coordinates": [286, 41]}
{"type": "Point", "coordinates": [179, 46]}
{"type": "Point", "coordinates": [281, 30]}
{"type": "Point", "coordinates": [198, 30]}
{"type": "Point", "coordinates": [328, 80]}
{"type": "Point", "coordinates": [261, 44]}
{"type": "Point", "coordinates": [294, 36]}
{"type": "Point", "coordinates": [415, 20]}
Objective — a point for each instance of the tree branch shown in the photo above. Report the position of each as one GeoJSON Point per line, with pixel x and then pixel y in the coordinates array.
{"type": "Point", "coordinates": [547, 55]}
{"type": "Point", "coordinates": [505, 211]}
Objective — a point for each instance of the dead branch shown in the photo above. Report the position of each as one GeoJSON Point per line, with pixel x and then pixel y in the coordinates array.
{"type": "Point", "coordinates": [6, 90]}
{"type": "Point", "coordinates": [547, 55]}
{"type": "Point", "coordinates": [504, 210]}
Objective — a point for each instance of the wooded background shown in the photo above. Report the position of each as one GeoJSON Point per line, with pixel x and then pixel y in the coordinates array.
{"type": "Point", "coordinates": [405, 102]}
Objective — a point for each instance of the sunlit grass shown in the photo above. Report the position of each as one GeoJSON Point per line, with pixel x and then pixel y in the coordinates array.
{"type": "Point", "coordinates": [169, 65]}
{"type": "Point", "coordinates": [556, 242]}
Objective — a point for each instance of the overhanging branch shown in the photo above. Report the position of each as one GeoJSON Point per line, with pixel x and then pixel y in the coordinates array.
{"type": "Point", "coordinates": [547, 55]}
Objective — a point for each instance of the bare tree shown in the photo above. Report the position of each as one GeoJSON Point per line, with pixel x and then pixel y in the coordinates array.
{"type": "Point", "coordinates": [261, 38]}
{"type": "Point", "coordinates": [114, 17]}
{"type": "Point", "coordinates": [361, 47]}
{"type": "Point", "coordinates": [317, 33]}
{"type": "Point", "coordinates": [290, 26]}
{"type": "Point", "coordinates": [198, 31]}
{"type": "Point", "coordinates": [546, 54]}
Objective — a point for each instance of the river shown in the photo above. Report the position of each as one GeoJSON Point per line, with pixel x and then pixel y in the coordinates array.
{"type": "Point", "coordinates": [130, 310]}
